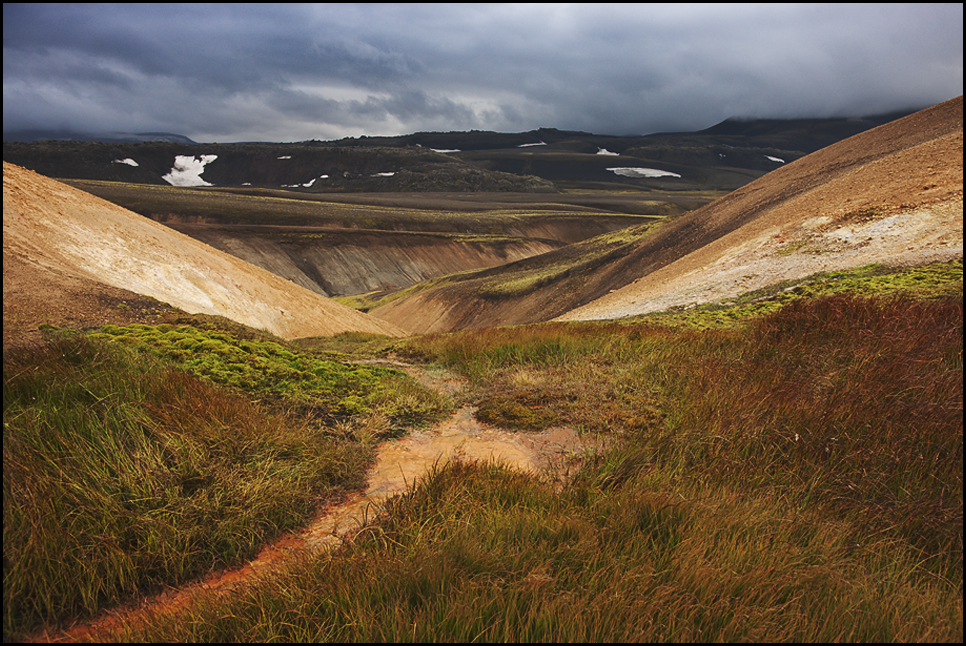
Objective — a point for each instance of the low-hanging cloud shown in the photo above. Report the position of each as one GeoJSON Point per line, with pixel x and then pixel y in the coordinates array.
{"type": "Point", "coordinates": [296, 72]}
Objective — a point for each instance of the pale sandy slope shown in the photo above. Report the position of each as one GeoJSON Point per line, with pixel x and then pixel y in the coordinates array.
{"type": "Point", "coordinates": [903, 206]}
{"type": "Point", "coordinates": [54, 233]}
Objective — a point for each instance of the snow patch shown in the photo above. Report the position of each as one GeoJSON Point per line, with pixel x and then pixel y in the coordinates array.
{"type": "Point", "coordinates": [775, 159]}
{"type": "Point", "coordinates": [188, 169]}
{"type": "Point", "coordinates": [642, 172]}
{"type": "Point", "coordinates": [604, 151]}
{"type": "Point", "coordinates": [446, 150]}
{"type": "Point", "coordinates": [126, 160]}
{"type": "Point", "coordinates": [385, 174]}
{"type": "Point", "coordinates": [539, 143]}
{"type": "Point", "coordinates": [307, 184]}
{"type": "Point", "coordinates": [284, 157]}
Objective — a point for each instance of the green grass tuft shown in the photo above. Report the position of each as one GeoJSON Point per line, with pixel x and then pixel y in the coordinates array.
{"type": "Point", "coordinates": [316, 387]}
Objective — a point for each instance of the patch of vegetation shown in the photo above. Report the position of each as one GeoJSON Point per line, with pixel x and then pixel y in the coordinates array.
{"type": "Point", "coordinates": [141, 455]}
{"type": "Point", "coordinates": [547, 268]}
{"type": "Point", "coordinates": [121, 473]}
{"type": "Point", "coordinates": [793, 475]}
{"type": "Point", "coordinates": [346, 346]}
{"type": "Point", "coordinates": [800, 478]}
{"type": "Point", "coordinates": [370, 301]}
{"type": "Point", "coordinates": [319, 388]}
{"type": "Point", "coordinates": [525, 411]}
{"type": "Point", "coordinates": [933, 281]}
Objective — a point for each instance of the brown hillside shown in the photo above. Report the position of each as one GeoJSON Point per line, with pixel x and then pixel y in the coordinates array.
{"type": "Point", "coordinates": [892, 194]}
{"type": "Point", "coordinates": [339, 262]}
{"type": "Point", "coordinates": [72, 258]}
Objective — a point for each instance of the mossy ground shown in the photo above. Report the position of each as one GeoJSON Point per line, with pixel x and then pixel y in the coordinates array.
{"type": "Point", "coordinates": [139, 456]}
{"type": "Point", "coordinates": [793, 472]}
{"type": "Point", "coordinates": [797, 476]}
{"type": "Point", "coordinates": [931, 281]}
{"type": "Point", "coordinates": [317, 387]}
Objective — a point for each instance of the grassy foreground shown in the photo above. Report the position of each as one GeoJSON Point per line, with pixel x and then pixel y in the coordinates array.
{"type": "Point", "coordinates": [797, 477]}
{"type": "Point", "coordinates": [176, 450]}
{"type": "Point", "coordinates": [793, 474]}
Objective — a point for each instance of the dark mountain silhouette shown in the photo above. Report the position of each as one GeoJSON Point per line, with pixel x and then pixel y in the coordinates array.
{"type": "Point", "coordinates": [723, 157]}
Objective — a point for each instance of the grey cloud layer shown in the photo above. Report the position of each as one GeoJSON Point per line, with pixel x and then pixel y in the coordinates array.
{"type": "Point", "coordinates": [289, 72]}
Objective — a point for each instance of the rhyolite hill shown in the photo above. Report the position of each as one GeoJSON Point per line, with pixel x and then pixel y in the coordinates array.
{"type": "Point", "coordinates": [892, 194]}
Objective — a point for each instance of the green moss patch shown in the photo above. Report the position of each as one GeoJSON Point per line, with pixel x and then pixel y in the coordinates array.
{"type": "Point", "coordinates": [320, 388]}
{"type": "Point", "coordinates": [926, 282]}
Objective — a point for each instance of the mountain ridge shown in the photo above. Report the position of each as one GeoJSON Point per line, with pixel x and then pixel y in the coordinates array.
{"type": "Point", "coordinates": [866, 171]}
{"type": "Point", "coordinates": [724, 156]}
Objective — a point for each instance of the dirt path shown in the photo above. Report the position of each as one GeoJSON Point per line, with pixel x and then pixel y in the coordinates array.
{"type": "Point", "coordinates": [399, 464]}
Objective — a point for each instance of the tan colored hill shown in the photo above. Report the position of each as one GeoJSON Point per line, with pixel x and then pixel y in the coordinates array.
{"type": "Point", "coordinates": [72, 258]}
{"type": "Point", "coordinates": [899, 202]}
{"type": "Point", "coordinates": [892, 195]}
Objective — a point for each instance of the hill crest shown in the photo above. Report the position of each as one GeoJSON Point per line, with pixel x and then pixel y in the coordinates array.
{"type": "Point", "coordinates": [63, 238]}
{"type": "Point", "coordinates": [892, 194]}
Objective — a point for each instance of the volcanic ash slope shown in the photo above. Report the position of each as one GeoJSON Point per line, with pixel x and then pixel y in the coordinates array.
{"type": "Point", "coordinates": [64, 231]}
{"type": "Point", "coordinates": [891, 195]}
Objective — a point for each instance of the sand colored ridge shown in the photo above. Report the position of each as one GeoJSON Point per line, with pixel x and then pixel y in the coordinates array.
{"type": "Point", "coordinates": [59, 242]}
{"type": "Point", "coordinates": [891, 195]}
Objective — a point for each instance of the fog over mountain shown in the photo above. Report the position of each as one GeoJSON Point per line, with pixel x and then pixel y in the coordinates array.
{"type": "Point", "coordinates": [228, 73]}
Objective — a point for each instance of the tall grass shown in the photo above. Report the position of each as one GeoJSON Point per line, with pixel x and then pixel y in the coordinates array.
{"type": "Point", "coordinates": [123, 471]}
{"type": "Point", "coordinates": [479, 553]}
{"type": "Point", "coordinates": [797, 478]}
{"type": "Point", "coordinates": [851, 402]}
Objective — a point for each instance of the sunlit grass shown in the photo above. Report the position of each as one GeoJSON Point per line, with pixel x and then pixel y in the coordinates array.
{"type": "Point", "coordinates": [795, 478]}
{"type": "Point", "coordinates": [796, 475]}
{"type": "Point", "coordinates": [121, 473]}
{"type": "Point", "coordinates": [142, 456]}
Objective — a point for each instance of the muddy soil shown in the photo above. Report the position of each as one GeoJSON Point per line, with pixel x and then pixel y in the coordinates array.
{"type": "Point", "coordinates": [553, 454]}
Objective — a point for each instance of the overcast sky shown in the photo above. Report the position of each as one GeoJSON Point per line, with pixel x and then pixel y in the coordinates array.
{"type": "Point", "coordinates": [276, 72]}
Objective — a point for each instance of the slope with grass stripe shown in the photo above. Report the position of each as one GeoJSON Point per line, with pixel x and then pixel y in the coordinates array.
{"type": "Point", "coordinates": [66, 233]}
{"type": "Point", "coordinates": [891, 194]}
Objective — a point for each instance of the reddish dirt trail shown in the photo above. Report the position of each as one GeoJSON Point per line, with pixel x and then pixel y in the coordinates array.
{"type": "Point", "coordinates": [399, 465]}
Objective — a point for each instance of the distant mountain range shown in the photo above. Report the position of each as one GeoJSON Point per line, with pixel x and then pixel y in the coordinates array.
{"type": "Point", "coordinates": [723, 157]}
{"type": "Point", "coordinates": [30, 136]}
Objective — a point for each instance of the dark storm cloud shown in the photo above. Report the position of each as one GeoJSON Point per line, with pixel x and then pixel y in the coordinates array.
{"type": "Point", "coordinates": [289, 72]}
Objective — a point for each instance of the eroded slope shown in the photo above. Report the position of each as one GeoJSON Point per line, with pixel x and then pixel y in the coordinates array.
{"type": "Point", "coordinates": [903, 167]}
{"type": "Point", "coordinates": [58, 233]}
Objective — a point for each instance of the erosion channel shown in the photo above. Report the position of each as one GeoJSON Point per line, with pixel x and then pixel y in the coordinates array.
{"type": "Point", "coordinates": [399, 464]}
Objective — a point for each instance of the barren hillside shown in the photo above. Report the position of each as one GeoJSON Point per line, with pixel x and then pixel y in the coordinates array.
{"type": "Point", "coordinates": [69, 257]}
{"type": "Point", "coordinates": [892, 194]}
